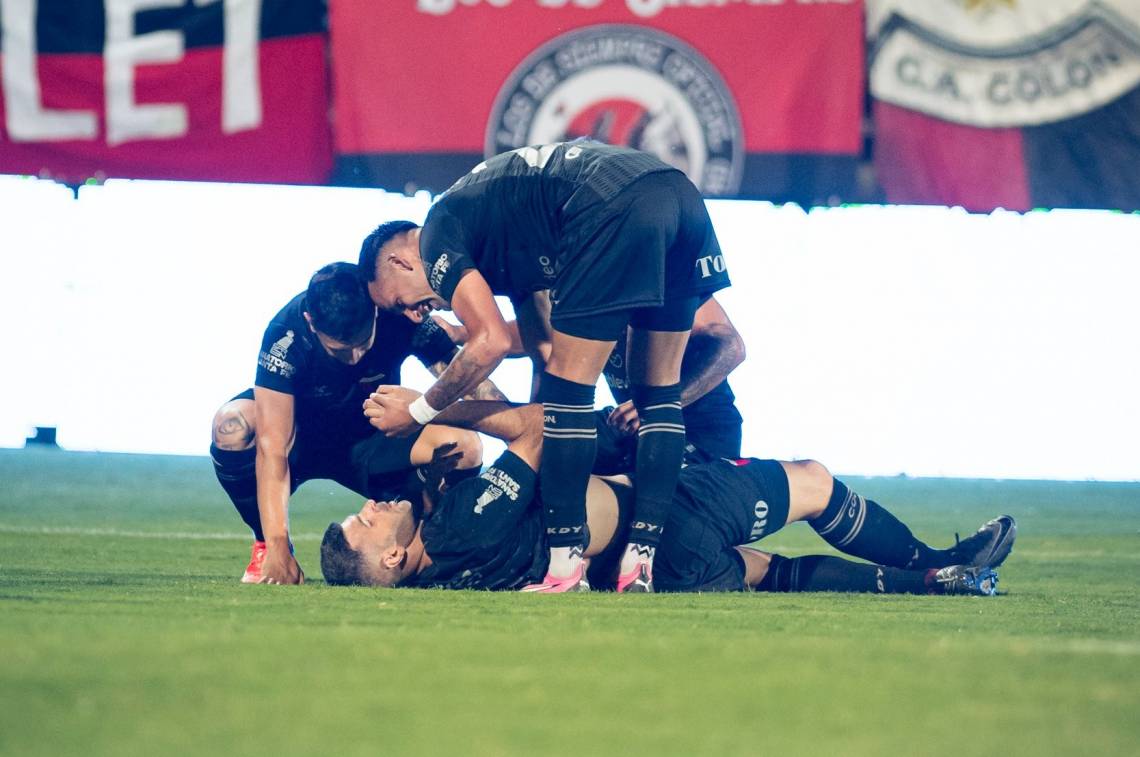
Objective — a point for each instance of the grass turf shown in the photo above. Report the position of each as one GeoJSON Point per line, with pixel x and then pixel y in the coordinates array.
{"type": "Point", "coordinates": [124, 632]}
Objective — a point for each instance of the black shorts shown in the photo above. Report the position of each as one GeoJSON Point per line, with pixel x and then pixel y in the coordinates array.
{"type": "Point", "coordinates": [719, 506]}
{"type": "Point", "coordinates": [375, 466]}
{"type": "Point", "coordinates": [650, 254]}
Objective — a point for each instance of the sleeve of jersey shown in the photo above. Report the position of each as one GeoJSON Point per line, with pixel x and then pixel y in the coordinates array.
{"type": "Point", "coordinates": [495, 501]}
{"type": "Point", "coordinates": [279, 359]}
{"type": "Point", "coordinates": [431, 344]}
{"type": "Point", "coordinates": [442, 249]}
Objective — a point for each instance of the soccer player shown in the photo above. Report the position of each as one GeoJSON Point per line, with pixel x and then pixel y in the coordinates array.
{"type": "Point", "coordinates": [484, 533]}
{"type": "Point", "coordinates": [715, 348]}
{"type": "Point", "coordinates": [712, 422]}
{"type": "Point", "coordinates": [620, 239]}
{"type": "Point", "coordinates": [321, 356]}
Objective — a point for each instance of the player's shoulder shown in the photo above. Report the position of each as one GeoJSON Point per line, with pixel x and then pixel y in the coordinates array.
{"type": "Point", "coordinates": [291, 316]}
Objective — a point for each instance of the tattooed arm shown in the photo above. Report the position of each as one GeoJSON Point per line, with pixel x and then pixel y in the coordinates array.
{"type": "Point", "coordinates": [715, 349]}
{"type": "Point", "coordinates": [487, 345]}
{"type": "Point", "coordinates": [485, 391]}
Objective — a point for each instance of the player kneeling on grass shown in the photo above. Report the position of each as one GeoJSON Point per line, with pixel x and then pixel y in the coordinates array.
{"type": "Point", "coordinates": [488, 532]}
{"type": "Point", "coordinates": [321, 356]}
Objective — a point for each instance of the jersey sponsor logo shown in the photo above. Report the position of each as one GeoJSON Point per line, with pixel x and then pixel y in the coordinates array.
{"type": "Point", "coordinates": [710, 264]}
{"type": "Point", "coordinates": [761, 522]}
{"type": "Point", "coordinates": [438, 270]}
{"type": "Point", "coordinates": [275, 360]}
{"type": "Point", "coordinates": [547, 267]}
{"type": "Point", "coordinates": [501, 484]}
{"type": "Point", "coordinates": [624, 85]}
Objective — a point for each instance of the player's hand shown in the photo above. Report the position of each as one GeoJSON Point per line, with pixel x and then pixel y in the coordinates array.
{"type": "Point", "coordinates": [387, 410]}
{"type": "Point", "coordinates": [457, 332]}
{"type": "Point", "coordinates": [624, 419]}
{"type": "Point", "coordinates": [444, 459]}
{"type": "Point", "coordinates": [280, 567]}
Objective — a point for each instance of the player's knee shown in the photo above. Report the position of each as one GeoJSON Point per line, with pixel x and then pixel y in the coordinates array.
{"type": "Point", "coordinates": [813, 483]}
{"type": "Point", "coordinates": [471, 446]}
{"type": "Point", "coordinates": [234, 426]}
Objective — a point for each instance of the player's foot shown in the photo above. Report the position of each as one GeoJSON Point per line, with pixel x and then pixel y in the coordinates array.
{"type": "Point", "coordinates": [637, 581]}
{"type": "Point", "coordinates": [967, 579]}
{"type": "Point", "coordinates": [989, 546]}
{"type": "Point", "coordinates": [576, 581]}
{"type": "Point", "coordinates": [256, 559]}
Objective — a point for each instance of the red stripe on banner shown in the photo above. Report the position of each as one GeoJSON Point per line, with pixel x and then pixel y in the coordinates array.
{"type": "Point", "coordinates": [292, 144]}
{"type": "Point", "coordinates": [927, 161]}
{"type": "Point", "coordinates": [406, 81]}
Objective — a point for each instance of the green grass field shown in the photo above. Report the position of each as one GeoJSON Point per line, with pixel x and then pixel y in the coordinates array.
{"type": "Point", "coordinates": [124, 632]}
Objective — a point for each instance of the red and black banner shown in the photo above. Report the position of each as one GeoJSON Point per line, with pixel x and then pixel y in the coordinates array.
{"type": "Point", "coordinates": [996, 103]}
{"type": "Point", "coordinates": [212, 90]}
{"type": "Point", "coordinates": [760, 100]}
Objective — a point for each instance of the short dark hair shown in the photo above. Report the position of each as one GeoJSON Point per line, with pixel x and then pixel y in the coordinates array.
{"type": "Point", "coordinates": [338, 302]}
{"type": "Point", "coordinates": [340, 563]}
{"type": "Point", "coordinates": [377, 239]}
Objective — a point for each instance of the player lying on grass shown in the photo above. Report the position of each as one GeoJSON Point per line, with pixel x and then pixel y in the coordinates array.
{"type": "Point", "coordinates": [487, 532]}
{"type": "Point", "coordinates": [621, 239]}
{"type": "Point", "coordinates": [321, 356]}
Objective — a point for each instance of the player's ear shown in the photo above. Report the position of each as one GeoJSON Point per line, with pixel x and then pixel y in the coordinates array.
{"type": "Point", "coordinates": [393, 557]}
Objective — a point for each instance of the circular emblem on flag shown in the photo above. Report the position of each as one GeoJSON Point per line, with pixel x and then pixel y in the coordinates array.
{"type": "Point", "coordinates": [625, 85]}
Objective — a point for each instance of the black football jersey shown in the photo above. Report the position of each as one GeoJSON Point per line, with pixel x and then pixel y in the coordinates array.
{"type": "Point", "coordinates": [509, 216]}
{"type": "Point", "coordinates": [487, 532]}
{"type": "Point", "coordinates": [328, 394]}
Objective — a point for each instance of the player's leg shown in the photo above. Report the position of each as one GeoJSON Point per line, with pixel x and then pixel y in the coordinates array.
{"type": "Point", "coordinates": [579, 350]}
{"type": "Point", "coordinates": [234, 454]}
{"type": "Point", "coordinates": [863, 528]}
{"type": "Point", "coordinates": [776, 573]}
{"type": "Point", "coordinates": [655, 355]}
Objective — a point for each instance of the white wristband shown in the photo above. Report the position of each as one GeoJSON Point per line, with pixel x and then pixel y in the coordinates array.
{"type": "Point", "coordinates": [422, 411]}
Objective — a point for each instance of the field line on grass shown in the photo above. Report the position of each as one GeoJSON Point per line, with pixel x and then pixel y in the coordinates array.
{"type": "Point", "coordinates": [1119, 647]}
{"type": "Point", "coordinates": [172, 535]}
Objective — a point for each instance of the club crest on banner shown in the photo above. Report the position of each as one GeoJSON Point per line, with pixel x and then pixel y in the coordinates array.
{"type": "Point", "coordinates": [626, 85]}
{"type": "Point", "coordinates": [1003, 63]}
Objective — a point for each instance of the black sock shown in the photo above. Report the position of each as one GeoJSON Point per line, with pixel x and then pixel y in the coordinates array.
{"type": "Point", "coordinates": [863, 528]}
{"type": "Point", "coordinates": [660, 449]}
{"type": "Point", "coordinates": [569, 443]}
{"type": "Point", "coordinates": [236, 473]}
{"type": "Point", "coordinates": [823, 573]}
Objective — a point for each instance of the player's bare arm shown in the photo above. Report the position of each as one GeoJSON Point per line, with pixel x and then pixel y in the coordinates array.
{"type": "Point", "coordinates": [274, 412]}
{"type": "Point", "coordinates": [485, 391]}
{"type": "Point", "coordinates": [715, 350]}
{"type": "Point", "coordinates": [518, 425]}
{"type": "Point", "coordinates": [487, 343]}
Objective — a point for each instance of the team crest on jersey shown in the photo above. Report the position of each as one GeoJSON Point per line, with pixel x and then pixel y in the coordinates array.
{"type": "Point", "coordinates": [625, 85]}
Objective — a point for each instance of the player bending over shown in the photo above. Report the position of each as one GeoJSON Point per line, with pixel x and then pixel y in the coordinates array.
{"type": "Point", "coordinates": [620, 239]}
{"type": "Point", "coordinates": [485, 532]}
{"type": "Point", "coordinates": [321, 356]}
